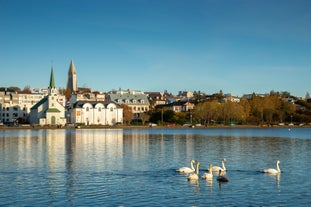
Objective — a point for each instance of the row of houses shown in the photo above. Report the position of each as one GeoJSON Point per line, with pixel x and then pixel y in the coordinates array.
{"type": "Point", "coordinates": [51, 108]}
{"type": "Point", "coordinates": [48, 107]}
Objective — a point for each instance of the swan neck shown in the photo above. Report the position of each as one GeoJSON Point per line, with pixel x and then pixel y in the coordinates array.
{"type": "Point", "coordinates": [197, 170]}
{"type": "Point", "coordinates": [191, 164]}
{"type": "Point", "coordinates": [278, 167]}
{"type": "Point", "coordinates": [223, 165]}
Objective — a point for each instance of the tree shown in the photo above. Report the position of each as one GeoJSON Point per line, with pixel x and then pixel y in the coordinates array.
{"type": "Point", "coordinates": [168, 116]}
{"type": "Point", "coordinates": [207, 111]}
{"type": "Point", "coordinates": [127, 114]}
{"type": "Point", "coordinates": [26, 89]}
{"type": "Point", "coordinates": [144, 117]}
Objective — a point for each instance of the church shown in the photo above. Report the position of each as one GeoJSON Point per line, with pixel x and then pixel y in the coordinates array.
{"type": "Point", "coordinates": [51, 109]}
{"type": "Point", "coordinates": [87, 108]}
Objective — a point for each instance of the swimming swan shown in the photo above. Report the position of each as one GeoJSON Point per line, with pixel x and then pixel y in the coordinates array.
{"type": "Point", "coordinates": [273, 171]}
{"type": "Point", "coordinates": [223, 168]}
{"type": "Point", "coordinates": [222, 178]}
{"type": "Point", "coordinates": [208, 175]}
{"type": "Point", "coordinates": [187, 169]}
{"type": "Point", "coordinates": [195, 175]}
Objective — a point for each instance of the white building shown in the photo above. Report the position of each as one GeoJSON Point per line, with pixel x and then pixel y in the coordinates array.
{"type": "Point", "coordinates": [96, 113]}
{"type": "Point", "coordinates": [51, 109]}
{"type": "Point", "coordinates": [16, 106]}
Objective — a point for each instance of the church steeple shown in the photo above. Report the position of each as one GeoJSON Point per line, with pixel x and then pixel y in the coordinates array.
{"type": "Point", "coordinates": [52, 88]}
{"type": "Point", "coordinates": [52, 82]}
{"type": "Point", "coordinates": [72, 78]}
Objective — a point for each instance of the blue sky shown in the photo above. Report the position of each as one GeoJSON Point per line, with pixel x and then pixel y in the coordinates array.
{"type": "Point", "coordinates": [237, 46]}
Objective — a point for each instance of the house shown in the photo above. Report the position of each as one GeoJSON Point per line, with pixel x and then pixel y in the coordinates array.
{"type": "Point", "coordinates": [229, 97]}
{"type": "Point", "coordinates": [50, 110]}
{"type": "Point", "coordinates": [185, 94]}
{"type": "Point", "coordinates": [136, 100]}
{"type": "Point", "coordinates": [177, 106]}
{"type": "Point", "coordinates": [96, 113]}
{"type": "Point", "coordinates": [89, 96]}
{"type": "Point", "coordinates": [156, 98]}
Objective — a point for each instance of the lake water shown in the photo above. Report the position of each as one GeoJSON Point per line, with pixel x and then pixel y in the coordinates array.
{"type": "Point", "coordinates": [138, 167]}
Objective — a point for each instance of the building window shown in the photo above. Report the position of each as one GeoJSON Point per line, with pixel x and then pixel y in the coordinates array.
{"type": "Point", "coordinates": [87, 109]}
{"type": "Point", "coordinates": [111, 108]}
{"type": "Point", "coordinates": [99, 109]}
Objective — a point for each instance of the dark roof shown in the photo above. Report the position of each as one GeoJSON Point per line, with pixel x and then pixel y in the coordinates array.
{"type": "Point", "coordinates": [39, 103]}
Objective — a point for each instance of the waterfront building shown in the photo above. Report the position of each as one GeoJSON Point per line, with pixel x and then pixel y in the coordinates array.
{"type": "Point", "coordinates": [9, 108]}
{"type": "Point", "coordinates": [15, 107]}
{"type": "Point", "coordinates": [50, 110]}
{"type": "Point", "coordinates": [96, 113]}
{"type": "Point", "coordinates": [90, 108]}
{"type": "Point", "coordinates": [136, 100]}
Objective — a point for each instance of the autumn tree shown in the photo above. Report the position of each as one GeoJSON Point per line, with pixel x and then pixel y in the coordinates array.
{"type": "Point", "coordinates": [144, 117]}
{"type": "Point", "coordinates": [26, 89]}
{"type": "Point", "coordinates": [127, 114]}
{"type": "Point", "coordinates": [207, 111]}
{"type": "Point", "coordinates": [231, 112]}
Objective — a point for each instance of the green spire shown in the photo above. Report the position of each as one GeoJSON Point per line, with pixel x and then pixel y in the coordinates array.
{"type": "Point", "coordinates": [52, 83]}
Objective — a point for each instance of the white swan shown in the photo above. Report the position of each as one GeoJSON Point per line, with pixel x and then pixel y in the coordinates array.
{"type": "Point", "coordinates": [223, 168]}
{"type": "Point", "coordinates": [187, 170]}
{"type": "Point", "coordinates": [222, 178]}
{"type": "Point", "coordinates": [195, 175]}
{"type": "Point", "coordinates": [273, 171]}
{"type": "Point", "coordinates": [208, 175]}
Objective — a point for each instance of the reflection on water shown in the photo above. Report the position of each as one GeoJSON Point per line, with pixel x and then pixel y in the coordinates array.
{"type": "Point", "coordinates": [126, 167]}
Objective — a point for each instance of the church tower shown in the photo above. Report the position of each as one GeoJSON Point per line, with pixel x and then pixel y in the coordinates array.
{"type": "Point", "coordinates": [72, 78]}
{"type": "Point", "coordinates": [52, 88]}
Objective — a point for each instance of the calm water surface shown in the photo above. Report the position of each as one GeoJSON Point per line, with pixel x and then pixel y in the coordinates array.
{"type": "Point", "coordinates": [138, 167]}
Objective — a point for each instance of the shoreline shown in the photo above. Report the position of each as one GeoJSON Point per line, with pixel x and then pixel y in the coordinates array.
{"type": "Point", "coordinates": [28, 127]}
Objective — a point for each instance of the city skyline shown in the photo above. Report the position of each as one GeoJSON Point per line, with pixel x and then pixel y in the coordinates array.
{"type": "Point", "coordinates": [238, 47]}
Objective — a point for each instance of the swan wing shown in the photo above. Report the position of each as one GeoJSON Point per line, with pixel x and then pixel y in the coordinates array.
{"type": "Point", "coordinates": [217, 168]}
{"type": "Point", "coordinates": [193, 176]}
{"type": "Point", "coordinates": [207, 176]}
{"type": "Point", "coordinates": [185, 170]}
{"type": "Point", "coordinates": [270, 171]}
